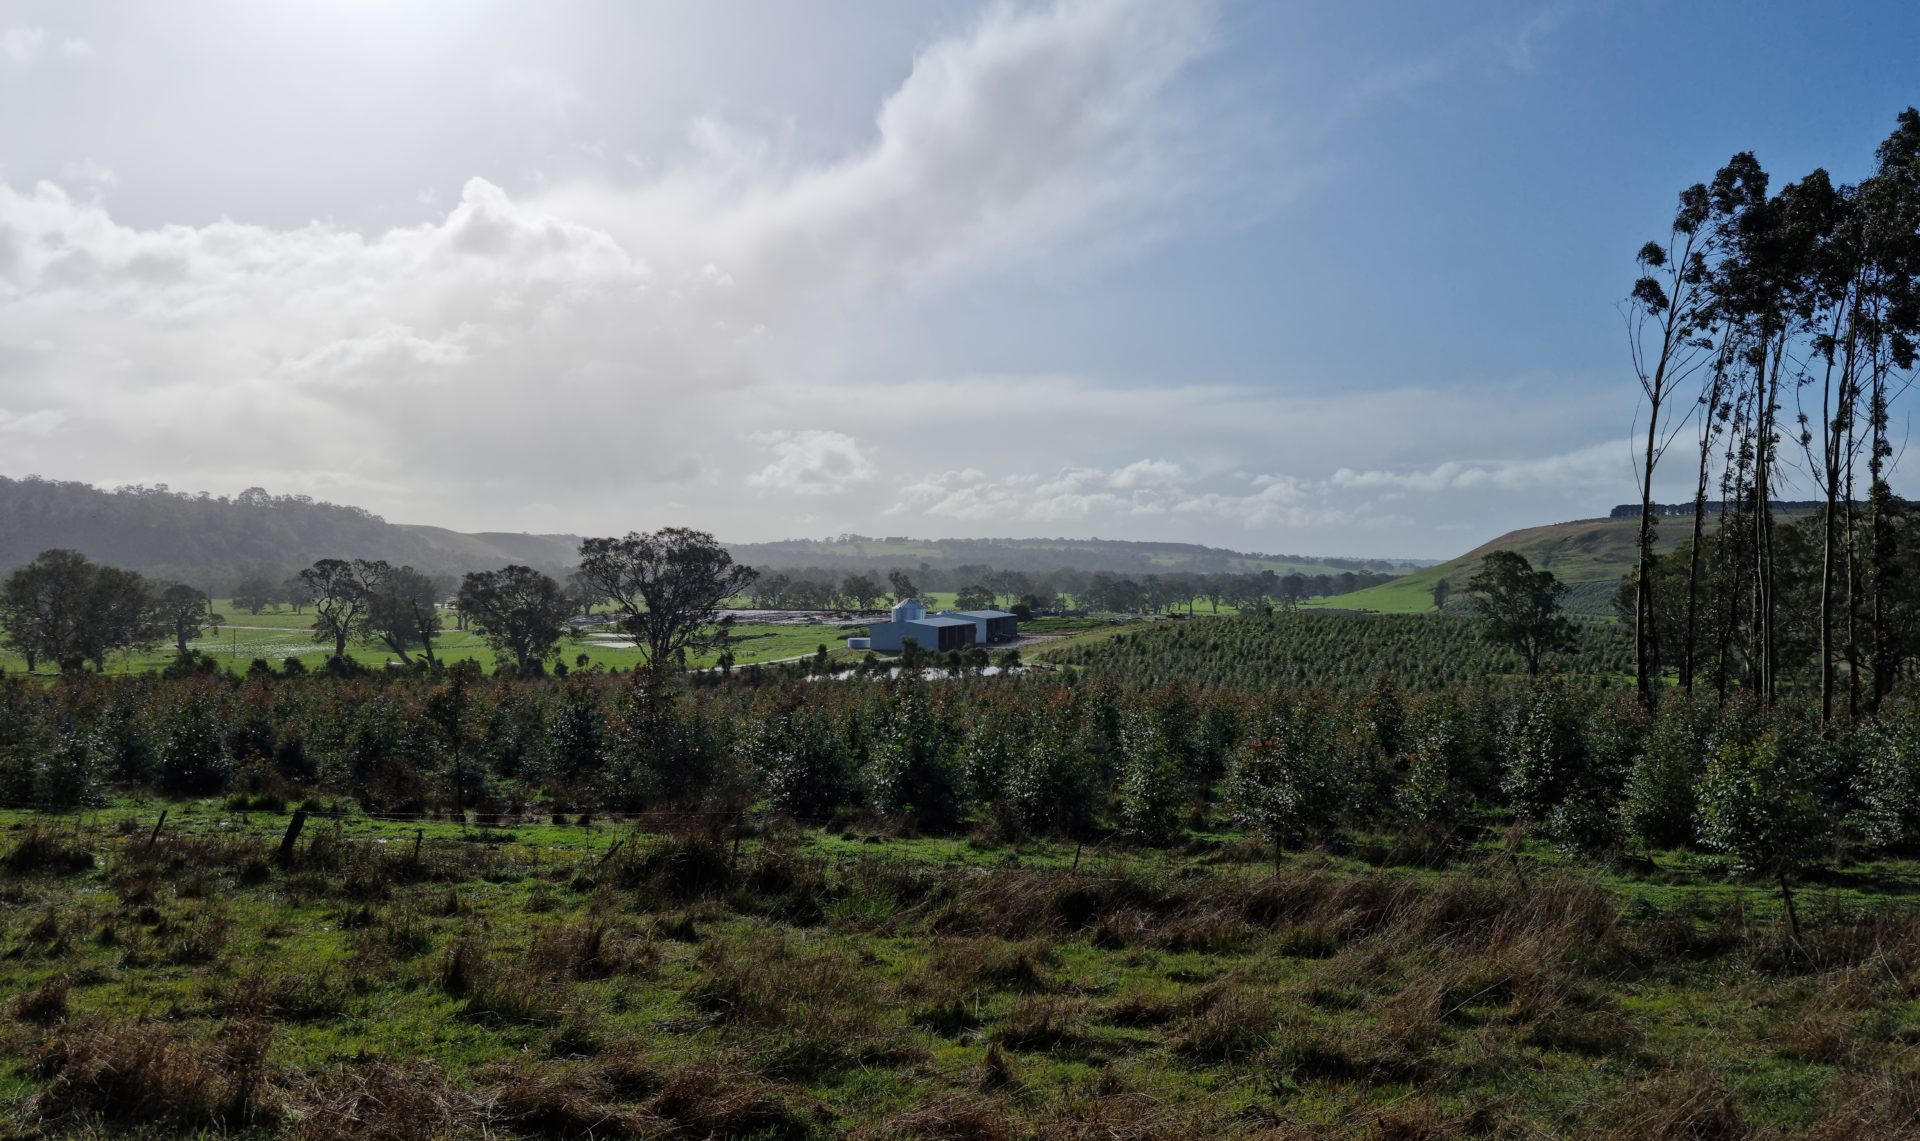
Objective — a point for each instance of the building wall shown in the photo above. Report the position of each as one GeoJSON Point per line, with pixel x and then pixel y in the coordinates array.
{"type": "Point", "coordinates": [891, 636]}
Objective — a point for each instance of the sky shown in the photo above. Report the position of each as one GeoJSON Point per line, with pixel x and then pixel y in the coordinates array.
{"type": "Point", "coordinates": [1336, 277]}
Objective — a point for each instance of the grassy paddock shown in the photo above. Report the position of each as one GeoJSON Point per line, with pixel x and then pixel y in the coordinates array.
{"type": "Point", "coordinates": [430, 978]}
{"type": "Point", "coordinates": [277, 635]}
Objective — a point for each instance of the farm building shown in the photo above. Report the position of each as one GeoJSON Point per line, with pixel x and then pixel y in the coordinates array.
{"type": "Point", "coordinates": [945, 631]}
{"type": "Point", "coordinates": [988, 625]}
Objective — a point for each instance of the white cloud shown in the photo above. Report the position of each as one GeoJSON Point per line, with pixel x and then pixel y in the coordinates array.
{"type": "Point", "coordinates": [1142, 489]}
{"type": "Point", "coordinates": [1597, 465]}
{"type": "Point", "coordinates": [22, 45]}
{"type": "Point", "coordinates": [76, 48]}
{"type": "Point", "coordinates": [94, 178]}
{"type": "Point", "coordinates": [587, 341]}
{"type": "Point", "coordinates": [811, 462]}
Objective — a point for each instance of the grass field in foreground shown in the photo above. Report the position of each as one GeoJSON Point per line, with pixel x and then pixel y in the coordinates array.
{"type": "Point", "coordinates": [538, 982]}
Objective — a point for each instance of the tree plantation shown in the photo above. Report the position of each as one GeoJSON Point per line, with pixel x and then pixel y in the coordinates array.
{"type": "Point", "coordinates": [585, 837]}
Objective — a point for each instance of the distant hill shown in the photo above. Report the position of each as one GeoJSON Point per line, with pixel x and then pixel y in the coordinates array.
{"type": "Point", "coordinates": [212, 541]}
{"type": "Point", "coordinates": [1589, 555]}
{"type": "Point", "coordinates": [857, 552]}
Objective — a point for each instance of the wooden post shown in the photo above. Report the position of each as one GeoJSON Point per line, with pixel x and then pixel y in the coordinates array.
{"type": "Point", "coordinates": [155, 834]}
{"type": "Point", "coordinates": [287, 841]}
{"type": "Point", "coordinates": [418, 836]}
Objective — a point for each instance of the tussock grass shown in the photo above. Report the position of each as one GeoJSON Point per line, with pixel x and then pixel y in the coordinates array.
{"type": "Point", "coordinates": [684, 990]}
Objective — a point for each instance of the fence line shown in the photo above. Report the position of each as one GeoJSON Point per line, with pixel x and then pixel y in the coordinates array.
{"type": "Point", "coordinates": [621, 828]}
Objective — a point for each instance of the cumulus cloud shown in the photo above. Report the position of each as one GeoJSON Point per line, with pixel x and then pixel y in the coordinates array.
{"type": "Point", "coordinates": [588, 341]}
{"type": "Point", "coordinates": [599, 354]}
{"type": "Point", "coordinates": [811, 462]}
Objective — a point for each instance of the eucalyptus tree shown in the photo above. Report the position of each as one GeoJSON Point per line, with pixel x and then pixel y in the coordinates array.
{"type": "Point", "coordinates": [402, 612]}
{"type": "Point", "coordinates": [861, 589]}
{"type": "Point", "coordinates": [340, 591]}
{"type": "Point", "coordinates": [521, 612]}
{"type": "Point", "coordinates": [185, 613]}
{"type": "Point", "coordinates": [1665, 314]}
{"type": "Point", "coordinates": [67, 610]}
{"type": "Point", "coordinates": [1520, 606]}
{"type": "Point", "coordinates": [1752, 286]}
{"type": "Point", "coordinates": [1890, 205]}
{"type": "Point", "coordinates": [667, 586]}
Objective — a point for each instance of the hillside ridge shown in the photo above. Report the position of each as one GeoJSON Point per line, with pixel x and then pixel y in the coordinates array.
{"type": "Point", "coordinates": [212, 541]}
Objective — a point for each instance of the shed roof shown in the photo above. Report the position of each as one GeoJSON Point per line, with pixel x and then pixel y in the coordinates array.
{"type": "Point", "coordinates": [985, 613]}
{"type": "Point", "coordinates": [935, 621]}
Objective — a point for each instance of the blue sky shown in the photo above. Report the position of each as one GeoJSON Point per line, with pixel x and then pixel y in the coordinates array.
{"type": "Point", "coordinates": [1310, 277]}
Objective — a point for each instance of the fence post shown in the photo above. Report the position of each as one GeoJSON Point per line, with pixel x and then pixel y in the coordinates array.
{"type": "Point", "coordinates": [298, 822]}
{"type": "Point", "coordinates": [157, 825]}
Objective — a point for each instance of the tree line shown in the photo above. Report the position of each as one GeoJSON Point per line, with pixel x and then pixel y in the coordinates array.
{"type": "Point", "coordinates": [1083, 756]}
{"type": "Point", "coordinates": [980, 587]}
{"type": "Point", "coordinates": [664, 590]}
{"type": "Point", "coordinates": [1776, 328]}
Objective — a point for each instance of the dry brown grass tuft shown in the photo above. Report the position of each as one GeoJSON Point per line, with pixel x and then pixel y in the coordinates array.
{"type": "Point", "coordinates": [1045, 1024]}
{"type": "Point", "coordinates": [591, 949]}
{"type": "Point", "coordinates": [40, 849]}
{"type": "Point", "coordinates": [143, 1075]}
{"type": "Point", "coordinates": [1675, 1105]}
{"type": "Point", "coordinates": [43, 1005]}
{"type": "Point", "coordinates": [702, 1102]}
{"type": "Point", "coordinates": [955, 1117]}
{"type": "Point", "coordinates": [1228, 1025]}
{"type": "Point", "coordinates": [996, 964]}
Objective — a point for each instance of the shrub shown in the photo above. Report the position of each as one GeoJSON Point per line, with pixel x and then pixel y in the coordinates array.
{"type": "Point", "coordinates": [1288, 784]}
{"type": "Point", "coordinates": [1152, 785]}
{"type": "Point", "coordinates": [69, 774]}
{"type": "Point", "coordinates": [1888, 784]}
{"type": "Point", "coordinates": [912, 770]}
{"type": "Point", "coordinates": [805, 764]}
{"type": "Point", "coordinates": [193, 756]}
{"type": "Point", "coordinates": [1758, 805]}
{"type": "Point", "coordinates": [1658, 805]}
{"type": "Point", "coordinates": [1434, 792]}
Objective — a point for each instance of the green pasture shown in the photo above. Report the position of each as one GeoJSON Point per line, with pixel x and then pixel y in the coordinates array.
{"type": "Point", "coordinates": [435, 978]}
{"type": "Point", "coordinates": [279, 634]}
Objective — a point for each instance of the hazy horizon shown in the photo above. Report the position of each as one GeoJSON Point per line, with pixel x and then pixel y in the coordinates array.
{"type": "Point", "coordinates": [1336, 280]}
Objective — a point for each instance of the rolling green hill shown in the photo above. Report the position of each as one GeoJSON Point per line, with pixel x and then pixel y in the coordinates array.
{"type": "Point", "coordinates": [212, 541]}
{"type": "Point", "coordinates": [858, 552]}
{"type": "Point", "coordinates": [1589, 555]}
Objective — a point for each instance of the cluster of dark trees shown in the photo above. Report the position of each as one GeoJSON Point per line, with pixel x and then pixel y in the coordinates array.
{"type": "Point", "coordinates": [1710, 507]}
{"type": "Point", "coordinates": [1779, 327]}
{"type": "Point", "coordinates": [664, 588]}
{"type": "Point", "coordinates": [981, 587]}
{"type": "Point", "coordinates": [66, 610]}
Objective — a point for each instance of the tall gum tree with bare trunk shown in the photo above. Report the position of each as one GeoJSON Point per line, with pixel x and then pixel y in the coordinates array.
{"type": "Point", "coordinates": [1664, 315]}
